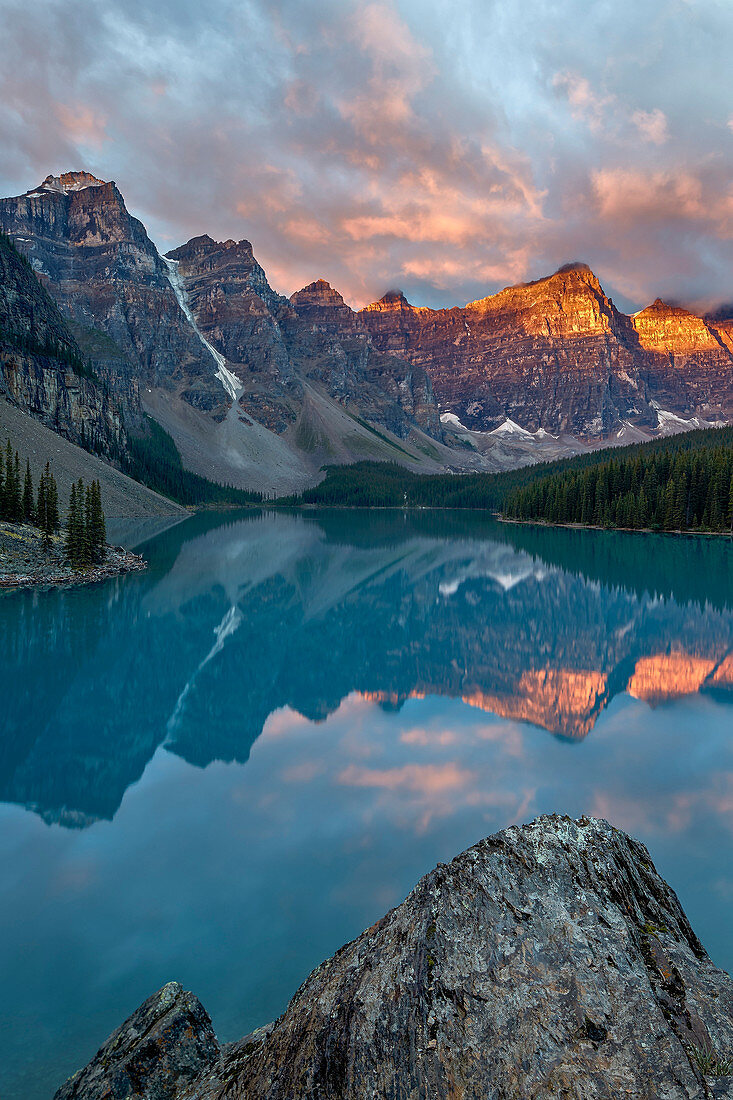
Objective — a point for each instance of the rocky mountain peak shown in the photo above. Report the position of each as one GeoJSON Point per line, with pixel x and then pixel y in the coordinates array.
{"type": "Point", "coordinates": [660, 306]}
{"type": "Point", "coordinates": [68, 181]}
{"type": "Point", "coordinates": [575, 275]}
{"type": "Point", "coordinates": [671, 330]}
{"type": "Point", "coordinates": [392, 302]}
{"type": "Point", "coordinates": [204, 246]}
{"type": "Point", "coordinates": [319, 293]}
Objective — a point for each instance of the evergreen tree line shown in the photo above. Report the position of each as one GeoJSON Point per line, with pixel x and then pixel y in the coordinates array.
{"type": "Point", "coordinates": [51, 347]}
{"type": "Point", "coordinates": [86, 536]}
{"type": "Point", "coordinates": [389, 485]}
{"type": "Point", "coordinates": [18, 503]}
{"type": "Point", "coordinates": [673, 490]}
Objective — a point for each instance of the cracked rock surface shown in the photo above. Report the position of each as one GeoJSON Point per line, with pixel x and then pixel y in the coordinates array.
{"type": "Point", "coordinates": [549, 960]}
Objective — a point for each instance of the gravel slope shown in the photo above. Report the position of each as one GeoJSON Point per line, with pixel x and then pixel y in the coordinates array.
{"type": "Point", "coordinates": [121, 496]}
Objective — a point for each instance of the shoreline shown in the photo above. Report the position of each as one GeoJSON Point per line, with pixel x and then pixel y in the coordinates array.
{"type": "Point", "coordinates": [26, 563]}
{"type": "Point", "coordinates": [596, 527]}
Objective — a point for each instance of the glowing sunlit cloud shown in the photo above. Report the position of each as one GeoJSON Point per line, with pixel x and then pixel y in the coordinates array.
{"type": "Point", "coordinates": [586, 104]}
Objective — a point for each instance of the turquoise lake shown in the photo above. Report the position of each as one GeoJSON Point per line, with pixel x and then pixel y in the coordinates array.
{"type": "Point", "coordinates": [222, 769]}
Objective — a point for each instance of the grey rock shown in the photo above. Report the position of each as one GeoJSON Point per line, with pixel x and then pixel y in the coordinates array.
{"type": "Point", "coordinates": [550, 960]}
{"type": "Point", "coordinates": [165, 1045]}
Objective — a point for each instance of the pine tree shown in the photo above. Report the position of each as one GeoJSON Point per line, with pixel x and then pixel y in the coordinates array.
{"type": "Point", "coordinates": [12, 499]}
{"type": "Point", "coordinates": [75, 529]}
{"type": "Point", "coordinates": [54, 521]}
{"type": "Point", "coordinates": [28, 509]}
{"type": "Point", "coordinates": [41, 503]}
{"type": "Point", "coordinates": [97, 530]}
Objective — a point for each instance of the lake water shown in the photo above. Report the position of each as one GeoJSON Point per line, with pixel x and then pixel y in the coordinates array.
{"type": "Point", "coordinates": [222, 769]}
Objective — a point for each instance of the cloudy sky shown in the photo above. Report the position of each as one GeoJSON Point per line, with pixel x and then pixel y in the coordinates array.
{"type": "Point", "coordinates": [447, 149]}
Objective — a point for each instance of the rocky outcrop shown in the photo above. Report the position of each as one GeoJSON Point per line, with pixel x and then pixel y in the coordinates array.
{"type": "Point", "coordinates": [557, 354]}
{"type": "Point", "coordinates": [42, 368]}
{"type": "Point", "coordinates": [549, 960]}
{"type": "Point", "coordinates": [165, 1045]}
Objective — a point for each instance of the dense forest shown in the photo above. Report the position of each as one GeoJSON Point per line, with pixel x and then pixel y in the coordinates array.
{"type": "Point", "coordinates": [682, 489]}
{"type": "Point", "coordinates": [389, 485]}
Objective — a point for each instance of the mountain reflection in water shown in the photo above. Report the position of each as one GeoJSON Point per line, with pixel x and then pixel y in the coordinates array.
{"type": "Point", "coordinates": [368, 693]}
{"type": "Point", "coordinates": [238, 619]}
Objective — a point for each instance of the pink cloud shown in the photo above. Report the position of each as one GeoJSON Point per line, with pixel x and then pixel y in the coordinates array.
{"type": "Point", "coordinates": [586, 105]}
{"type": "Point", "coordinates": [82, 124]}
{"type": "Point", "coordinates": [423, 779]}
{"type": "Point", "coordinates": [652, 125]}
{"type": "Point", "coordinates": [626, 195]}
{"type": "Point", "coordinates": [418, 736]}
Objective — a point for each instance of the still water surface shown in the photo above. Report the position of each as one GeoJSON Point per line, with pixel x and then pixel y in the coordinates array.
{"type": "Point", "coordinates": [222, 769]}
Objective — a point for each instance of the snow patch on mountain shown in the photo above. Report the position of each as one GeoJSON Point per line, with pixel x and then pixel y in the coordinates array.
{"type": "Point", "coordinates": [453, 421]}
{"type": "Point", "coordinates": [509, 428]}
{"type": "Point", "coordinates": [228, 379]}
{"type": "Point", "coordinates": [66, 182]}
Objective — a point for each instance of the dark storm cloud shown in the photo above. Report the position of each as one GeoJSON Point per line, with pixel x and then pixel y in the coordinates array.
{"type": "Point", "coordinates": [449, 150]}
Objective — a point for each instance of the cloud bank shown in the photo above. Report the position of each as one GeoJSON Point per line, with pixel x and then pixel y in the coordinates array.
{"type": "Point", "coordinates": [374, 143]}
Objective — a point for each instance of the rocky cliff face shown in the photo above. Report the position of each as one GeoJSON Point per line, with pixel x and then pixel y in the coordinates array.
{"type": "Point", "coordinates": [557, 354]}
{"type": "Point", "coordinates": [276, 346]}
{"type": "Point", "coordinates": [332, 344]}
{"type": "Point", "coordinates": [41, 362]}
{"type": "Point", "coordinates": [105, 273]}
{"type": "Point", "coordinates": [214, 350]}
{"type": "Point", "coordinates": [690, 362]}
{"type": "Point", "coordinates": [549, 960]}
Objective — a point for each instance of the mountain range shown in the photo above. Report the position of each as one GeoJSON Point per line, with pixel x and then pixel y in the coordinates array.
{"type": "Point", "coordinates": [259, 390]}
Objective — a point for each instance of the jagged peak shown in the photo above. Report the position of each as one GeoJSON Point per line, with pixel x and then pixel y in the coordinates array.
{"type": "Point", "coordinates": [392, 300]}
{"type": "Point", "coordinates": [579, 268]}
{"type": "Point", "coordinates": [660, 306]}
{"type": "Point", "coordinates": [204, 243]}
{"type": "Point", "coordinates": [67, 182]}
{"type": "Point", "coordinates": [582, 272]}
{"type": "Point", "coordinates": [318, 293]}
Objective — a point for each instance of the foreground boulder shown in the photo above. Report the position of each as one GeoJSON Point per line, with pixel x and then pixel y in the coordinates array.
{"type": "Point", "coordinates": [164, 1046]}
{"type": "Point", "coordinates": [550, 960]}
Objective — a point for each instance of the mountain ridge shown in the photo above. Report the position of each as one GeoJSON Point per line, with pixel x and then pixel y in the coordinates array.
{"type": "Point", "coordinates": [261, 390]}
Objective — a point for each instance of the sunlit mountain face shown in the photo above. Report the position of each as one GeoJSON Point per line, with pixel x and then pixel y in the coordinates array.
{"type": "Point", "coordinates": [239, 619]}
